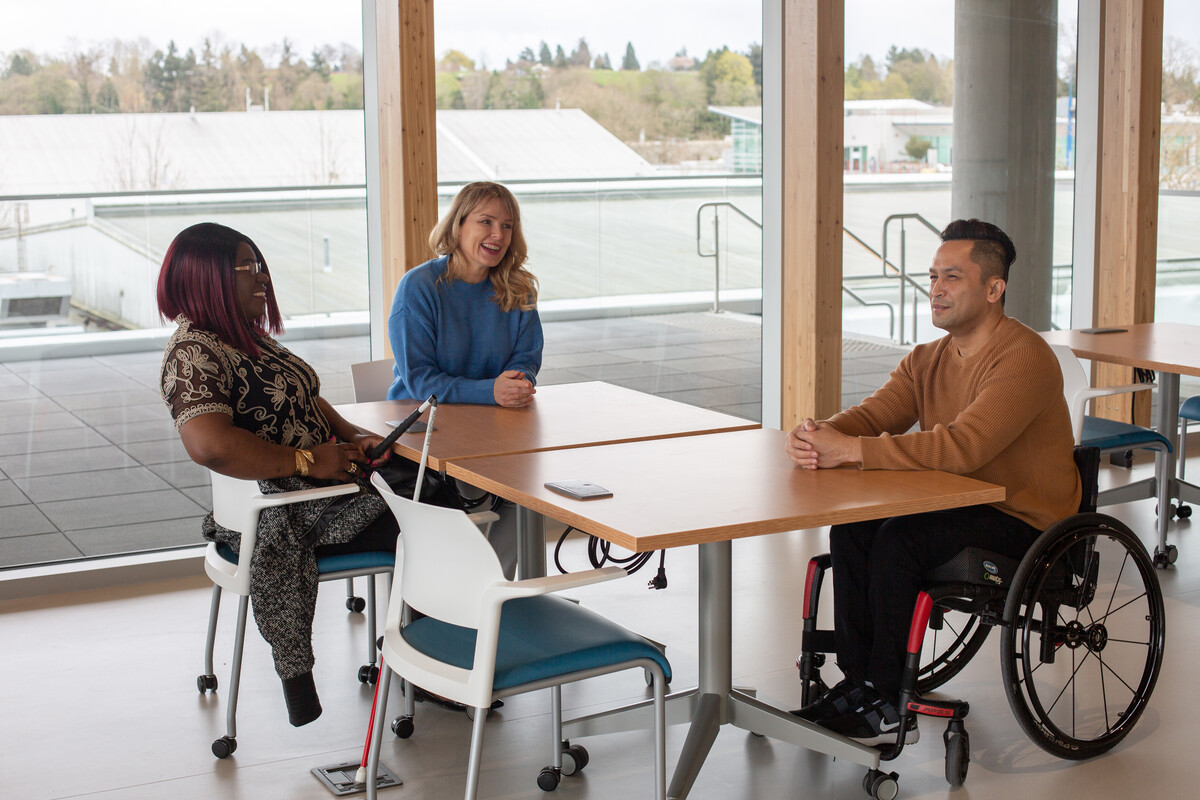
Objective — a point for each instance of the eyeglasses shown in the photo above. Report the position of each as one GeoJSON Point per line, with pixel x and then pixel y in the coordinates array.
{"type": "Point", "coordinates": [254, 268]}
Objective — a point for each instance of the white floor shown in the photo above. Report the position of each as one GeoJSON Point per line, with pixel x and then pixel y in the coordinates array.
{"type": "Point", "coordinates": [98, 700]}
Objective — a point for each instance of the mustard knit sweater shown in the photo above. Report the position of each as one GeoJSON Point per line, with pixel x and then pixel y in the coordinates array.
{"type": "Point", "coordinates": [998, 416]}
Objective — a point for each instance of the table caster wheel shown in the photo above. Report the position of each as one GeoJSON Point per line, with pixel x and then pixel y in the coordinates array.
{"type": "Point", "coordinates": [881, 785]}
{"type": "Point", "coordinates": [958, 757]}
{"type": "Point", "coordinates": [206, 683]}
{"type": "Point", "coordinates": [403, 727]}
{"type": "Point", "coordinates": [368, 673]}
{"type": "Point", "coordinates": [1184, 511]}
{"type": "Point", "coordinates": [224, 747]}
{"type": "Point", "coordinates": [548, 779]}
{"type": "Point", "coordinates": [574, 758]}
{"type": "Point", "coordinates": [355, 605]}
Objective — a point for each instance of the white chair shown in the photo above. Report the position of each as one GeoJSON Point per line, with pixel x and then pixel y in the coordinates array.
{"type": "Point", "coordinates": [372, 379]}
{"type": "Point", "coordinates": [1111, 436]}
{"type": "Point", "coordinates": [486, 637]}
{"type": "Point", "coordinates": [236, 506]}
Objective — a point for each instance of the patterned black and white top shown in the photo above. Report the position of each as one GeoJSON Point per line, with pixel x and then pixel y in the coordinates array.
{"type": "Point", "coordinates": [273, 396]}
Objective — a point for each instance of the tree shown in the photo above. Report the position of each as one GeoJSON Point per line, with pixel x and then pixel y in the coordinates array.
{"type": "Point", "coordinates": [755, 56]}
{"type": "Point", "coordinates": [20, 65]}
{"type": "Point", "coordinates": [449, 91]}
{"type": "Point", "coordinates": [560, 58]}
{"type": "Point", "coordinates": [729, 78]}
{"type": "Point", "coordinates": [917, 148]}
{"type": "Point", "coordinates": [527, 55]}
{"type": "Point", "coordinates": [544, 56]}
{"type": "Point", "coordinates": [319, 65]}
{"type": "Point", "coordinates": [630, 62]}
{"type": "Point", "coordinates": [602, 62]}
{"type": "Point", "coordinates": [456, 61]}
{"type": "Point", "coordinates": [581, 56]}
{"type": "Point", "coordinates": [107, 100]}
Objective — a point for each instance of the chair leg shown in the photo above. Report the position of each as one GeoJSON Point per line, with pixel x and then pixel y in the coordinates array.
{"type": "Point", "coordinates": [472, 789]}
{"type": "Point", "coordinates": [371, 650]}
{"type": "Point", "coordinates": [660, 736]}
{"type": "Point", "coordinates": [1163, 485]}
{"type": "Point", "coordinates": [1183, 426]}
{"type": "Point", "coordinates": [235, 669]}
{"type": "Point", "coordinates": [381, 696]}
{"type": "Point", "coordinates": [210, 642]}
{"type": "Point", "coordinates": [556, 727]}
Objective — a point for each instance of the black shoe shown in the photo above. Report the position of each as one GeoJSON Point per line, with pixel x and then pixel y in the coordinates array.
{"type": "Point", "coordinates": [832, 703]}
{"type": "Point", "coordinates": [872, 720]}
{"type": "Point", "coordinates": [300, 694]}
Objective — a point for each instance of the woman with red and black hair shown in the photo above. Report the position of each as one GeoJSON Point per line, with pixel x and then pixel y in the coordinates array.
{"type": "Point", "coordinates": [246, 407]}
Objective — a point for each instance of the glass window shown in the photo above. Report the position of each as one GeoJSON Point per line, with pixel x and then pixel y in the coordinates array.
{"type": "Point", "coordinates": [633, 143]}
{"type": "Point", "coordinates": [120, 127]}
{"type": "Point", "coordinates": [951, 113]}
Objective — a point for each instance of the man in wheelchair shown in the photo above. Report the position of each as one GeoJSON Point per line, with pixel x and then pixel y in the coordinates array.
{"type": "Point", "coordinates": [986, 401]}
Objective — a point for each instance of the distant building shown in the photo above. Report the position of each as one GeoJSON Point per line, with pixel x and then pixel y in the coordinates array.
{"type": "Point", "coordinates": [876, 134]}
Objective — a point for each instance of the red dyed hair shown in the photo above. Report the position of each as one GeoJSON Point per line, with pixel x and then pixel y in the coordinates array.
{"type": "Point", "coordinates": [198, 281]}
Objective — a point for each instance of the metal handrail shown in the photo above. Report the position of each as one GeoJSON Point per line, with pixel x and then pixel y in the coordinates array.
{"type": "Point", "coordinates": [905, 278]}
{"type": "Point", "coordinates": [715, 255]}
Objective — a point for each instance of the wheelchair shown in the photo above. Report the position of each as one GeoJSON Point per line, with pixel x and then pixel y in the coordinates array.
{"type": "Point", "coordinates": [1082, 631]}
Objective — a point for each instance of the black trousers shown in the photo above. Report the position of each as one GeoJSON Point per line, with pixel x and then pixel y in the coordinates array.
{"type": "Point", "coordinates": [877, 569]}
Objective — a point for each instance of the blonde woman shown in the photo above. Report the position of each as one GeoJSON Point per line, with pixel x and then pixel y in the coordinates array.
{"type": "Point", "coordinates": [465, 326]}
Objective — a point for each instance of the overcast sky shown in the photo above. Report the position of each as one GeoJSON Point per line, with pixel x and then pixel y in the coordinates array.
{"type": "Point", "coordinates": [490, 31]}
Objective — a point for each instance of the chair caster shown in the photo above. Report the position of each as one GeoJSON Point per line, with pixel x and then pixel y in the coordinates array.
{"type": "Point", "coordinates": [881, 785]}
{"type": "Point", "coordinates": [1184, 511]}
{"type": "Point", "coordinates": [368, 673]}
{"type": "Point", "coordinates": [224, 747]}
{"type": "Point", "coordinates": [403, 727]}
{"type": "Point", "coordinates": [574, 758]}
{"type": "Point", "coordinates": [206, 683]}
{"type": "Point", "coordinates": [355, 605]}
{"type": "Point", "coordinates": [547, 779]}
{"type": "Point", "coordinates": [958, 755]}
{"type": "Point", "coordinates": [1165, 558]}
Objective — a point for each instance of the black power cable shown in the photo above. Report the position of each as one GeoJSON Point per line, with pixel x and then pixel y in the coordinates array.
{"type": "Point", "coordinates": [600, 553]}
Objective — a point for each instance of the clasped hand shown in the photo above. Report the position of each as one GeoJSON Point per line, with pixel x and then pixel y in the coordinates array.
{"type": "Point", "coordinates": [512, 390]}
{"type": "Point", "coordinates": [817, 445]}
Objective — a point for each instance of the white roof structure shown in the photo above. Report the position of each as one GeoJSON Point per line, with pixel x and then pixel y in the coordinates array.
{"type": "Point", "coordinates": [50, 154]}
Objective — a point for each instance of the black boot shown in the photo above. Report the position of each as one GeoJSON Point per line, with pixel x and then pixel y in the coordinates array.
{"type": "Point", "coordinates": [300, 693]}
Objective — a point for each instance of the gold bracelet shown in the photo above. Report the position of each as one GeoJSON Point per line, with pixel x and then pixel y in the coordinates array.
{"type": "Point", "coordinates": [303, 459]}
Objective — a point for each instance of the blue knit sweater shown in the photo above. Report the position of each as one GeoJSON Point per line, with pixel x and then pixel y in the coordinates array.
{"type": "Point", "coordinates": [452, 340]}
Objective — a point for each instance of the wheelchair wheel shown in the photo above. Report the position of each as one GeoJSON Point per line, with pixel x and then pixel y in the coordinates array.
{"type": "Point", "coordinates": [1083, 636]}
{"type": "Point", "coordinates": [947, 651]}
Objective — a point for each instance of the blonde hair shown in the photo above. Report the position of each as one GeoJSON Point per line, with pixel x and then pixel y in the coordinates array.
{"type": "Point", "coordinates": [515, 286]}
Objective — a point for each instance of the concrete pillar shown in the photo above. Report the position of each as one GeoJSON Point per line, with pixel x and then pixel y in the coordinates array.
{"type": "Point", "coordinates": [1005, 67]}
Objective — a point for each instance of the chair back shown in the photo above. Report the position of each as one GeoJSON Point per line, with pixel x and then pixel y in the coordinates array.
{"type": "Point", "coordinates": [1075, 383]}
{"type": "Point", "coordinates": [372, 379]}
{"type": "Point", "coordinates": [448, 565]}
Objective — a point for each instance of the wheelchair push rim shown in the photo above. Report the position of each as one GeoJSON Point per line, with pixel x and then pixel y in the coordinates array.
{"type": "Point", "coordinates": [1083, 636]}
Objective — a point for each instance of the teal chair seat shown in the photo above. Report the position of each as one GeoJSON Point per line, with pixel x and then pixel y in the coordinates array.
{"type": "Point", "coordinates": [370, 559]}
{"type": "Point", "coordinates": [1108, 434]}
{"type": "Point", "coordinates": [540, 637]}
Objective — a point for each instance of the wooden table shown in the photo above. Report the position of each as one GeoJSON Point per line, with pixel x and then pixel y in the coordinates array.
{"type": "Point", "coordinates": [1170, 348]}
{"type": "Point", "coordinates": [568, 415]}
{"type": "Point", "coordinates": [561, 416]}
{"type": "Point", "coordinates": [709, 490]}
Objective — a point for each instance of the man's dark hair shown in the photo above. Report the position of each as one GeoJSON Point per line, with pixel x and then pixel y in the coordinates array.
{"type": "Point", "coordinates": [993, 251]}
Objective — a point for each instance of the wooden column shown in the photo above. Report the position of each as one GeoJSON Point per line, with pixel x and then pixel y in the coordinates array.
{"type": "Point", "coordinates": [811, 213]}
{"type": "Point", "coordinates": [1127, 184]}
{"type": "Point", "coordinates": [407, 136]}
